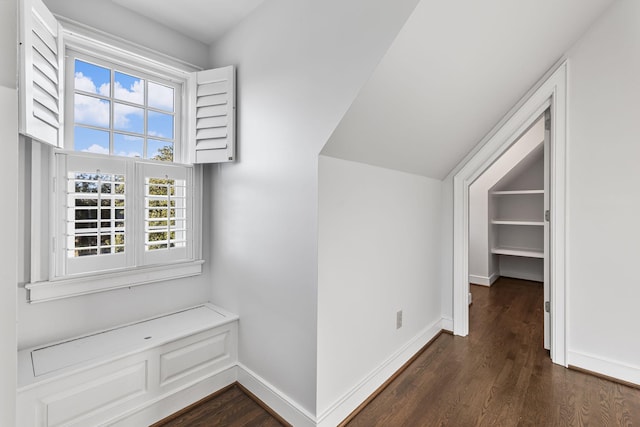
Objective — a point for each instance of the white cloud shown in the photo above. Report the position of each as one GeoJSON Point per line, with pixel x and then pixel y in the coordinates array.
{"type": "Point", "coordinates": [133, 94]}
{"type": "Point", "coordinates": [160, 97]}
{"type": "Point", "coordinates": [82, 82]}
{"type": "Point", "coordinates": [98, 149]}
{"type": "Point", "coordinates": [105, 89]}
{"type": "Point", "coordinates": [157, 134]}
{"type": "Point", "coordinates": [128, 154]}
{"type": "Point", "coordinates": [122, 115]}
{"type": "Point", "coordinates": [131, 138]}
{"type": "Point", "coordinates": [91, 111]}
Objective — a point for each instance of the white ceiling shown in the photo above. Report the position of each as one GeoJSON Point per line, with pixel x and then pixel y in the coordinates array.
{"type": "Point", "coordinates": [455, 69]}
{"type": "Point", "coordinates": [203, 20]}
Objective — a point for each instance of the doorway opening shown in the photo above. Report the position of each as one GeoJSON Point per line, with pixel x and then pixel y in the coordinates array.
{"type": "Point", "coordinates": [549, 94]}
{"type": "Point", "coordinates": [508, 233]}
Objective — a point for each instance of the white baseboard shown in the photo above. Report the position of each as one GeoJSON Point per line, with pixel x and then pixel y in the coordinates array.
{"type": "Point", "coordinates": [282, 404]}
{"type": "Point", "coordinates": [447, 323]}
{"type": "Point", "coordinates": [604, 366]}
{"type": "Point", "coordinates": [483, 280]}
{"type": "Point", "coordinates": [166, 405]}
{"type": "Point", "coordinates": [534, 277]}
{"type": "Point", "coordinates": [343, 407]}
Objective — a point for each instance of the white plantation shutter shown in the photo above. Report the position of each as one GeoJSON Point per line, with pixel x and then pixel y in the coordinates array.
{"type": "Point", "coordinates": [166, 221]}
{"type": "Point", "coordinates": [213, 110]}
{"type": "Point", "coordinates": [95, 202]}
{"type": "Point", "coordinates": [41, 52]}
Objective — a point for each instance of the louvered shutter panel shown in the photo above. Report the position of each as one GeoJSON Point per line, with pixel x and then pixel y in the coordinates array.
{"type": "Point", "coordinates": [214, 110]}
{"type": "Point", "coordinates": [41, 52]}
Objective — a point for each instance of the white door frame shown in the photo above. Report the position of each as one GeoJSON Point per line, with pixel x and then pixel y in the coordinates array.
{"type": "Point", "coordinates": [550, 92]}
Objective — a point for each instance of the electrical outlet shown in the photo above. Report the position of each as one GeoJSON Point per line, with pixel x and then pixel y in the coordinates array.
{"type": "Point", "coordinates": [399, 319]}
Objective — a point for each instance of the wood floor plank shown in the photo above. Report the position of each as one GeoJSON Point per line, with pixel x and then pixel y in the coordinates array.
{"type": "Point", "coordinates": [231, 408]}
{"type": "Point", "coordinates": [499, 375]}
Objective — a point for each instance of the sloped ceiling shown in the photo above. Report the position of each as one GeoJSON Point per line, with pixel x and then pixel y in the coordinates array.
{"type": "Point", "coordinates": [455, 69]}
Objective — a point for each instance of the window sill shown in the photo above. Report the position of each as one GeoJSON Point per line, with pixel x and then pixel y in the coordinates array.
{"type": "Point", "coordinates": [88, 284]}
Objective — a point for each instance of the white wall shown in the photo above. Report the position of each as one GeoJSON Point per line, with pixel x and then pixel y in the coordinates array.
{"type": "Point", "coordinates": [114, 19]}
{"type": "Point", "coordinates": [602, 226]}
{"type": "Point", "coordinates": [50, 321]}
{"type": "Point", "coordinates": [8, 216]}
{"type": "Point", "coordinates": [300, 65]}
{"type": "Point", "coordinates": [378, 252]}
{"type": "Point", "coordinates": [481, 269]}
{"type": "Point", "coordinates": [603, 202]}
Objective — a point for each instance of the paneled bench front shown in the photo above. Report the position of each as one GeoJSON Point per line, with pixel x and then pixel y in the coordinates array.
{"type": "Point", "coordinates": [131, 375]}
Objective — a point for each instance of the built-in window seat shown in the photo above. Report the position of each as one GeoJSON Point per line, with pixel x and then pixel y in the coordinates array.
{"type": "Point", "coordinates": [134, 374]}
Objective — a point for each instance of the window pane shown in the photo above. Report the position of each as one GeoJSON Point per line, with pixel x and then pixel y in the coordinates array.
{"type": "Point", "coordinates": [91, 78]}
{"type": "Point", "coordinates": [91, 140]}
{"type": "Point", "coordinates": [128, 88]}
{"type": "Point", "coordinates": [85, 202]}
{"type": "Point", "coordinates": [160, 97]}
{"type": "Point", "coordinates": [86, 241]}
{"type": "Point", "coordinates": [159, 150]}
{"type": "Point", "coordinates": [127, 145]}
{"type": "Point", "coordinates": [160, 125]}
{"type": "Point", "coordinates": [126, 117]}
{"type": "Point", "coordinates": [89, 110]}
{"type": "Point", "coordinates": [82, 225]}
{"type": "Point", "coordinates": [83, 214]}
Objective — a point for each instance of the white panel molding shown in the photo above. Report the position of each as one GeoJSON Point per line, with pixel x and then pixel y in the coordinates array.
{"type": "Point", "coordinates": [172, 402]}
{"type": "Point", "coordinates": [177, 363]}
{"type": "Point", "coordinates": [282, 404]}
{"type": "Point", "coordinates": [551, 92]}
{"type": "Point", "coordinates": [346, 404]}
{"type": "Point", "coordinates": [604, 366]}
{"type": "Point", "coordinates": [75, 405]}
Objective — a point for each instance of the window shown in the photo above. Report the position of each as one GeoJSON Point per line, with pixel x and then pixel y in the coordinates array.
{"type": "Point", "coordinates": [119, 111]}
{"type": "Point", "coordinates": [126, 128]}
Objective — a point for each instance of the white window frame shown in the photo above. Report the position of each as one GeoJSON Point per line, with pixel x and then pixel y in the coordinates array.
{"type": "Point", "coordinates": [113, 63]}
{"type": "Point", "coordinates": [53, 282]}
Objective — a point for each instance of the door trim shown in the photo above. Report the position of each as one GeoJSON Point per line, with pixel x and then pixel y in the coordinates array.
{"type": "Point", "coordinates": [551, 93]}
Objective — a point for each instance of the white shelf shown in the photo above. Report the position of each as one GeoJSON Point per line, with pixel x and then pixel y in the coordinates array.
{"type": "Point", "coordinates": [522, 252]}
{"type": "Point", "coordinates": [514, 192]}
{"type": "Point", "coordinates": [508, 222]}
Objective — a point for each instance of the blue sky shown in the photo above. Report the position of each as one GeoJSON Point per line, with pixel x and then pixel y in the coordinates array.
{"type": "Point", "coordinates": [94, 111]}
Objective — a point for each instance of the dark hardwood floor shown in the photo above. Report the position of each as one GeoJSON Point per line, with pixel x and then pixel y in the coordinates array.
{"type": "Point", "coordinates": [497, 376]}
{"type": "Point", "coordinates": [231, 407]}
